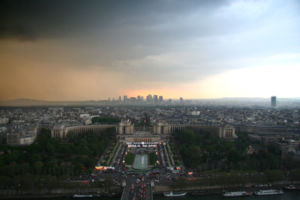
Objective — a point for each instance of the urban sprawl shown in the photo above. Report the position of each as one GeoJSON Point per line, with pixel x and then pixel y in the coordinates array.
{"type": "Point", "coordinates": [151, 147]}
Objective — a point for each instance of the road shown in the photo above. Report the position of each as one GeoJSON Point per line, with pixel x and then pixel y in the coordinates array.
{"type": "Point", "coordinates": [138, 187]}
{"type": "Point", "coordinates": [138, 184]}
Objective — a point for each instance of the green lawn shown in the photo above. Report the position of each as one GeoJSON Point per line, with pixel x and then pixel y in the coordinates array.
{"type": "Point", "coordinates": [129, 158]}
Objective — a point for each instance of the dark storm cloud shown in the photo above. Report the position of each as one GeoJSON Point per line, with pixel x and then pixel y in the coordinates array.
{"type": "Point", "coordinates": [29, 19]}
{"type": "Point", "coordinates": [139, 38]}
{"type": "Point", "coordinates": [139, 43]}
{"type": "Point", "coordinates": [103, 32]}
{"type": "Point", "coordinates": [39, 19]}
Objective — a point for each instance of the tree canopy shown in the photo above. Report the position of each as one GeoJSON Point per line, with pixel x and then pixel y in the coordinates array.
{"type": "Point", "coordinates": [201, 149]}
{"type": "Point", "coordinates": [51, 157]}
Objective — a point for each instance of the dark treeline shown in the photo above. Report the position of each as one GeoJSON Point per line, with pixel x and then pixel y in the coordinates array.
{"type": "Point", "coordinates": [223, 162]}
{"type": "Point", "coordinates": [202, 150]}
{"type": "Point", "coordinates": [49, 160]}
{"type": "Point", "coordinates": [129, 158]}
{"type": "Point", "coordinates": [105, 120]}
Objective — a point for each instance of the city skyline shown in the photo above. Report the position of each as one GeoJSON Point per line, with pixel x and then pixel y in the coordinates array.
{"type": "Point", "coordinates": [93, 50]}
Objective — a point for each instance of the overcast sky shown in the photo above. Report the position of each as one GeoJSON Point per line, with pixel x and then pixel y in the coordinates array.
{"type": "Point", "coordinates": [81, 50]}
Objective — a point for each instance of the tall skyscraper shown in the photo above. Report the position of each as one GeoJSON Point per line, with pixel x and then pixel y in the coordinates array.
{"type": "Point", "coordinates": [132, 99]}
{"type": "Point", "coordinates": [125, 99]}
{"type": "Point", "coordinates": [140, 98]}
{"type": "Point", "coordinates": [161, 99]}
{"type": "Point", "coordinates": [149, 98]}
{"type": "Point", "coordinates": [273, 101]}
{"type": "Point", "coordinates": [181, 100]}
{"type": "Point", "coordinates": [155, 98]}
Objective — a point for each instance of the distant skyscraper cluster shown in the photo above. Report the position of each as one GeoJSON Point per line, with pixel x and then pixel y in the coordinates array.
{"type": "Point", "coordinates": [150, 99]}
{"type": "Point", "coordinates": [155, 99]}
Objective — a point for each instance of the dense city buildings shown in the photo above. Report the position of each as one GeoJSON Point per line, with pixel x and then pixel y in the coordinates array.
{"type": "Point", "coordinates": [163, 142]}
{"type": "Point", "coordinates": [19, 126]}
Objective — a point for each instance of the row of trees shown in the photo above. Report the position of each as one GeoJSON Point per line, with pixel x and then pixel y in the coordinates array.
{"type": "Point", "coordinates": [231, 178]}
{"type": "Point", "coordinates": [152, 158]}
{"type": "Point", "coordinates": [236, 178]}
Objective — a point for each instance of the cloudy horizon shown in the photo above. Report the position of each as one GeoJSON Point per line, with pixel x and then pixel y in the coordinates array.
{"type": "Point", "coordinates": [91, 50]}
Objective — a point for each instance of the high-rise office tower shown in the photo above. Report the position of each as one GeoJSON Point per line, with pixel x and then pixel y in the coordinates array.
{"type": "Point", "coordinates": [132, 99]}
{"type": "Point", "coordinates": [125, 99]}
{"type": "Point", "coordinates": [149, 98]}
{"type": "Point", "coordinates": [273, 101]}
{"type": "Point", "coordinates": [160, 99]}
{"type": "Point", "coordinates": [155, 98]}
{"type": "Point", "coordinates": [140, 98]}
{"type": "Point", "coordinates": [181, 100]}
